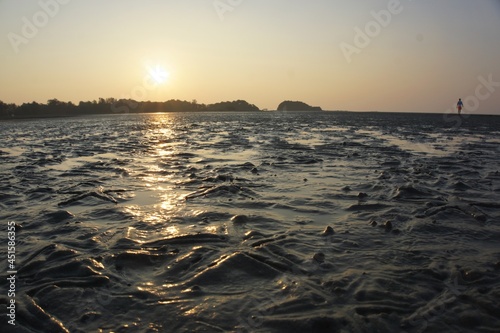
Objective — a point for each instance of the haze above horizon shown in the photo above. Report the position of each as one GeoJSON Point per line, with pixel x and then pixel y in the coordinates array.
{"type": "Point", "coordinates": [369, 55]}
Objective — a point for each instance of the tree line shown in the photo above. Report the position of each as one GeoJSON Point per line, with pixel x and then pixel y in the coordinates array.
{"type": "Point", "coordinates": [56, 108]}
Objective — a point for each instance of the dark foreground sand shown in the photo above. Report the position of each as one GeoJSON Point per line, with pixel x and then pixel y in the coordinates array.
{"type": "Point", "coordinates": [253, 222]}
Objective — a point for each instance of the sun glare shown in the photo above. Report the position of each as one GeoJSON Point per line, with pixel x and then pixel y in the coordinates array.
{"type": "Point", "coordinates": [158, 74]}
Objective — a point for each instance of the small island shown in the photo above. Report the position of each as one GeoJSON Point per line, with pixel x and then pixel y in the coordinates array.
{"type": "Point", "coordinates": [297, 106]}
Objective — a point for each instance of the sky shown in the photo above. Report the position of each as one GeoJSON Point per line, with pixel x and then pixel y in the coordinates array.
{"type": "Point", "coordinates": [364, 55]}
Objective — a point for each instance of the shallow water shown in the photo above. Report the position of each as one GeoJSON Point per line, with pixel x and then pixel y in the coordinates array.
{"type": "Point", "coordinates": [215, 222]}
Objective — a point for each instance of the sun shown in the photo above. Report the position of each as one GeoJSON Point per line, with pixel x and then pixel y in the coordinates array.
{"type": "Point", "coordinates": [158, 74]}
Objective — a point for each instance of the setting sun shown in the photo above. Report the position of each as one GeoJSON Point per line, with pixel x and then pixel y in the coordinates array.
{"type": "Point", "coordinates": [158, 74]}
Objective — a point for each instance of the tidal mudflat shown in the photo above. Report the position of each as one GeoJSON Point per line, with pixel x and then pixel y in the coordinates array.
{"type": "Point", "coordinates": [253, 222]}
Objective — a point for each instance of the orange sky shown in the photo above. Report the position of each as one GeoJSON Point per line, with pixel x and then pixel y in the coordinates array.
{"type": "Point", "coordinates": [341, 55]}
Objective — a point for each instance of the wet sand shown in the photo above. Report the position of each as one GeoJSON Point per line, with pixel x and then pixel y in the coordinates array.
{"type": "Point", "coordinates": [254, 222]}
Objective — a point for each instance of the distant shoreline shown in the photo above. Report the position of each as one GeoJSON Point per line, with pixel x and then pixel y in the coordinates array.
{"type": "Point", "coordinates": [55, 108]}
{"type": "Point", "coordinates": [58, 109]}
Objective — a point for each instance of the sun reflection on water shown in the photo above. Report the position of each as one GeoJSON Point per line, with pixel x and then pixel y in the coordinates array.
{"type": "Point", "coordinates": [171, 231]}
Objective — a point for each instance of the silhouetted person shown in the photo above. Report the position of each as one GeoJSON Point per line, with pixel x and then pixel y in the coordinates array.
{"type": "Point", "coordinates": [460, 105]}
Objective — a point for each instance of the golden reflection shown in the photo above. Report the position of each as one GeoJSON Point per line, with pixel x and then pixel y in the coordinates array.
{"type": "Point", "coordinates": [171, 200]}
{"type": "Point", "coordinates": [211, 229]}
{"type": "Point", "coordinates": [160, 136]}
{"type": "Point", "coordinates": [171, 231]}
{"type": "Point", "coordinates": [216, 229]}
{"type": "Point", "coordinates": [156, 174]}
{"type": "Point", "coordinates": [192, 312]}
{"type": "Point", "coordinates": [137, 235]}
{"type": "Point", "coordinates": [166, 132]}
{"type": "Point", "coordinates": [149, 287]}
{"type": "Point", "coordinates": [133, 210]}
{"type": "Point", "coordinates": [197, 213]}
{"type": "Point", "coordinates": [172, 301]}
{"type": "Point", "coordinates": [169, 285]}
{"type": "Point", "coordinates": [129, 232]}
{"type": "Point", "coordinates": [96, 263]}
{"type": "Point", "coordinates": [153, 218]}
{"type": "Point", "coordinates": [161, 152]}
{"type": "Point", "coordinates": [155, 204]}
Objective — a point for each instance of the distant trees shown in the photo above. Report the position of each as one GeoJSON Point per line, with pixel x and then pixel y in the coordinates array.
{"type": "Point", "coordinates": [6, 110]}
{"type": "Point", "coordinates": [28, 110]}
{"type": "Point", "coordinates": [57, 108]}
